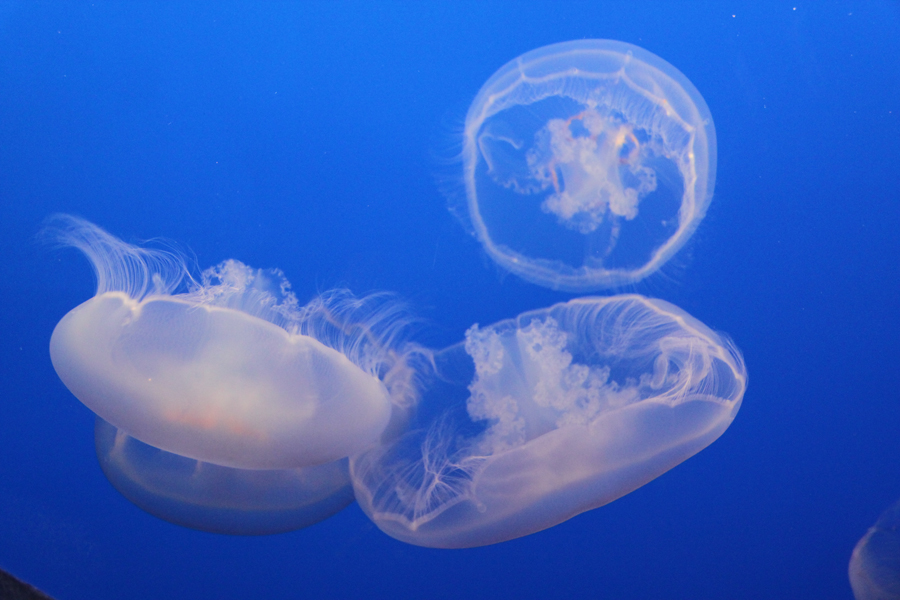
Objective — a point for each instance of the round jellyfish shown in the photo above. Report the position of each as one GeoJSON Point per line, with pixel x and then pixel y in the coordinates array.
{"type": "Point", "coordinates": [536, 419]}
{"type": "Point", "coordinates": [587, 164]}
{"type": "Point", "coordinates": [220, 499]}
{"type": "Point", "coordinates": [875, 563]}
{"type": "Point", "coordinates": [231, 371]}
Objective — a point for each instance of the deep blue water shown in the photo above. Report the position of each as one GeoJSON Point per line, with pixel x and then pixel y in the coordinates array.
{"type": "Point", "coordinates": [321, 138]}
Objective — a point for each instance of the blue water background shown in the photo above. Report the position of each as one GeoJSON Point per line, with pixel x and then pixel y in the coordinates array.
{"type": "Point", "coordinates": [321, 138]}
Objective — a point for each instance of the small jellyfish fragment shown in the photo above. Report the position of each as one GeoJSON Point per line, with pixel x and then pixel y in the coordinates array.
{"type": "Point", "coordinates": [587, 164]}
{"type": "Point", "coordinates": [220, 499]}
{"type": "Point", "coordinates": [231, 371]}
{"type": "Point", "coordinates": [875, 563]}
{"type": "Point", "coordinates": [536, 419]}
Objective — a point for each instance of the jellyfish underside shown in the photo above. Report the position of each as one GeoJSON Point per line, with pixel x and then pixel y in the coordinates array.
{"type": "Point", "coordinates": [220, 499]}
{"type": "Point", "coordinates": [587, 164]}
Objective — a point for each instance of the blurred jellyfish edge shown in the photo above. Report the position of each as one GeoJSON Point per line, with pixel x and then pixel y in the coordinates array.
{"type": "Point", "coordinates": [874, 568]}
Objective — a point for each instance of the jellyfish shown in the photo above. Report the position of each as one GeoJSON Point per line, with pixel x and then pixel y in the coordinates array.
{"type": "Point", "coordinates": [224, 405]}
{"type": "Point", "coordinates": [875, 563]}
{"type": "Point", "coordinates": [231, 371]}
{"type": "Point", "coordinates": [220, 499]}
{"type": "Point", "coordinates": [536, 419]}
{"type": "Point", "coordinates": [587, 164]}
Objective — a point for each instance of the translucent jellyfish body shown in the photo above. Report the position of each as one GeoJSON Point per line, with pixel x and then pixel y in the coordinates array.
{"type": "Point", "coordinates": [875, 562]}
{"type": "Point", "coordinates": [558, 411]}
{"type": "Point", "coordinates": [220, 499]}
{"type": "Point", "coordinates": [231, 372]}
{"type": "Point", "coordinates": [587, 164]}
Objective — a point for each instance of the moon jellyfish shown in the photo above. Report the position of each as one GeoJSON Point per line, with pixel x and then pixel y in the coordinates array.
{"type": "Point", "coordinates": [557, 412]}
{"type": "Point", "coordinates": [587, 164]}
{"type": "Point", "coordinates": [220, 499]}
{"type": "Point", "coordinates": [230, 371]}
{"type": "Point", "coordinates": [875, 563]}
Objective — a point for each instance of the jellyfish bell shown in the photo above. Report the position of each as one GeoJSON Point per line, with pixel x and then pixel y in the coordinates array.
{"type": "Point", "coordinates": [231, 371]}
{"type": "Point", "coordinates": [558, 411]}
{"type": "Point", "coordinates": [216, 384]}
{"type": "Point", "coordinates": [220, 499]}
{"type": "Point", "coordinates": [587, 164]}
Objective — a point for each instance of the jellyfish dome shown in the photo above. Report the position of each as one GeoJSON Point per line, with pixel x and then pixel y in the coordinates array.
{"type": "Point", "coordinates": [875, 563]}
{"type": "Point", "coordinates": [231, 371]}
{"type": "Point", "coordinates": [587, 164]}
{"type": "Point", "coordinates": [534, 420]}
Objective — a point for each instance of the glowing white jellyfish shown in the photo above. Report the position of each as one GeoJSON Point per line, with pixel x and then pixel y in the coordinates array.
{"type": "Point", "coordinates": [587, 164]}
{"type": "Point", "coordinates": [557, 411]}
{"type": "Point", "coordinates": [232, 371]}
{"type": "Point", "coordinates": [226, 406]}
